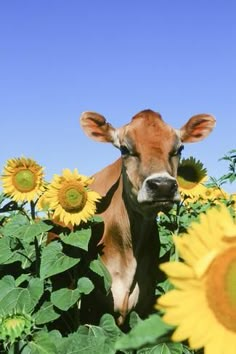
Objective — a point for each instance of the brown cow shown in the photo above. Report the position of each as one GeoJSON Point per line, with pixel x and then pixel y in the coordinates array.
{"type": "Point", "coordinates": [134, 188]}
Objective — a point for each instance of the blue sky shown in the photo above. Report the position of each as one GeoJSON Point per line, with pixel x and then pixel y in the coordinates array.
{"type": "Point", "coordinates": [60, 58]}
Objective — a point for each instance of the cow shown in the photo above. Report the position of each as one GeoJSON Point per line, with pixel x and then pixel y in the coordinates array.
{"type": "Point", "coordinates": [141, 183]}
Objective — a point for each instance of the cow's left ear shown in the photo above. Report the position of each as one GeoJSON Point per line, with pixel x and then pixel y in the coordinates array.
{"type": "Point", "coordinates": [197, 128]}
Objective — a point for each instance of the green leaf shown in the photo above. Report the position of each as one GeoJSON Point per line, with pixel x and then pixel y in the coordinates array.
{"type": "Point", "coordinates": [166, 241]}
{"type": "Point", "coordinates": [41, 343]}
{"type": "Point", "coordinates": [13, 226]}
{"type": "Point", "coordinates": [21, 279]}
{"type": "Point", "coordinates": [164, 287]}
{"type": "Point", "coordinates": [85, 286]}
{"type": "Point", "coordinates": [13, 297]}
{"type": "Point", "coordinates": [35, 288]}
{"type": "Point", "coordinates": [111, 330]}
{"type": "Point", "coordinates": [54, 261]}
{"type": "Point", "coordinates": [65, 298]}
{"type": "Point", "coordinates": [106, 335]}
{"type": "Point", "coordinates": [7, 255]}
{"type": "Point", "coordinates": [46, 314]}
{"type": "Point", "coordinates": [77, 343]}
{"type": "Point", "coordinates": [27, 255]}
{"type": "Point", "coordinates": [147, 331]}
{"type": "Point", "coordinates": [134, 319]}
{"type": "Point", "coordinates": [77, 239]}
{"type": "Point", "coordinates": [7, 283]}
{"type": "Point", "coordinates": [97, 219]}
{"type": "Point", "coordinates": [166, 348]}
{"type": "Point", "coordinates": [2, 197]}
{"type": "Point", "coordinates": [187, 350]}
{"type": "Point", "coordinates": [99, 268]}
{"type": "Point", "coordinates": [29, 232]}
{"type": "Point", "coordinates": [17, 298]}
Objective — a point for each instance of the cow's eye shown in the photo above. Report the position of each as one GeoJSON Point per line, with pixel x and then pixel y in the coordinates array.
{"type": "Point", "coordinates": [178, 151]}
{"type": "Point", "coordinates": [124, 150]}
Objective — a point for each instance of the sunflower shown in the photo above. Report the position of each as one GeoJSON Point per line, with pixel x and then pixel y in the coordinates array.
{"type": "Point", "coordinates": [213, 193]}
{"type": "Point", "coordinates": [191, 176]}
{"type": "Point", "coordinates": [22, 179]}
{"type": "Point", "coordinates": [70, 199]}
{"type": "Point", "coordinates": [233, 199]}
{"type": "Point", "coordinates": [203, 303]}
{"type": "Point", "coordinates": [14, 326]}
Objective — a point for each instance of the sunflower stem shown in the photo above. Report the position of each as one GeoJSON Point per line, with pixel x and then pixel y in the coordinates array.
{"type": "Point", "coordinates": [178, 217]}
{"type": "Point", "coordinates": [37, 256]}
{"type": "Point", "coordinates": [32, 209]}
{"type": "Point", "coordinates": [16, 347]}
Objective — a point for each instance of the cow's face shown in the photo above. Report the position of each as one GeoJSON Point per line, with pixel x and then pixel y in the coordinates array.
{"type": "Point", "coordinates": [150, 151]}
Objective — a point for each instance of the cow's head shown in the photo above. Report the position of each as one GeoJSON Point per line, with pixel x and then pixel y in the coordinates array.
{"type": "Point", "coordinates": [150, 150]}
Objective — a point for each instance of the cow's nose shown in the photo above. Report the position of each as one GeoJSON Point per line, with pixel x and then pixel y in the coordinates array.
{"type": "Point", "coordinates": [162, 186]}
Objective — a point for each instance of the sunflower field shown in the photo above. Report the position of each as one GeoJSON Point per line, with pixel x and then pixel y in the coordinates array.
{"type": "Point", "coordinates": [45, 266]}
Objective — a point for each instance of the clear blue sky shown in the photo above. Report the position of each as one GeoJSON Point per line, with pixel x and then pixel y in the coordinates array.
{"type": "Point", "coordinates": [59, 58]}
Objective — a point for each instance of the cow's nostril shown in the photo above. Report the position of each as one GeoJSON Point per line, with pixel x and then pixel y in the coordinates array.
{"type": "Point", "coordinates": [163, 187]}
{"type": "Point", "coordinates": [153, 183]}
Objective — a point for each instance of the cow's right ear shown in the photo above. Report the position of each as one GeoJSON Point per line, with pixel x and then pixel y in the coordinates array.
{"type": "Point", "coordinates": [96, 127]}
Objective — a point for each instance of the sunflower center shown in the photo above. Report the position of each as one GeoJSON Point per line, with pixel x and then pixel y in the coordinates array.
{"type": "Point", "coordinates": [72, 197]}
{"type": "Point", "coordinates": [188, 176]}
{"type": "Point", "coordinates": [221, 288]}
{"type": "Point", "coordinates": [24, 180]}
{"type": "Point", "coordinates": [12, 323]}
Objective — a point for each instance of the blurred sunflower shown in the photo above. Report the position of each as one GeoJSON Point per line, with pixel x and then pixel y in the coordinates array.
{"type": "Point", "coordinates": [233, 198]}
{"type": "Point", "coordinates": [22, 179]}
{"type": "Point", "coordinates": [191, 176]}
{"type": "Point", "coordinates": [70, 199]}
{"type": "Point", "coordinates": [203, 303]}
{"type": "Point", "coordinates": [212, 193]}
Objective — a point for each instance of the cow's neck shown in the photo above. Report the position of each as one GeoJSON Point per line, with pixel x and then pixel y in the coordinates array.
{"type": "Point", "coordinates": [125, 228]}
{"type": "Point", "coordinates": [129, 245]}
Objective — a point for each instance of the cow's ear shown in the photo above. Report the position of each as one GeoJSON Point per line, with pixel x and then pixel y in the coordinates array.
{"type": "Point", "coordinates": [96, 127]}
{"type": "Point", "coordinates": [197, 128]}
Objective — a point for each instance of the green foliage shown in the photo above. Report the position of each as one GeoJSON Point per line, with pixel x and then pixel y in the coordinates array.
{"type": "Point", "coordinates": [44, 272]}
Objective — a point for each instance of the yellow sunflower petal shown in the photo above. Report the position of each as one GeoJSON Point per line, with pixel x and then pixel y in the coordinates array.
{"type": "Point", "coordinates": [177, 269]}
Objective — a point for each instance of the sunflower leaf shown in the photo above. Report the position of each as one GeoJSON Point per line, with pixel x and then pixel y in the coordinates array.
{"type": "Point", "coordinates": [165, 348]}
{"type": "Point", "coordinates": [145, 332]}
{"type": "Point", "coordinates": [85, 286]}
{"type": "Point", "coordinates": [46, 314]}
{"type": "Point", "coordinates": [77, 239]}
{"type": "Point", "coordinates": [99, 268]}
{"type": "Point", "coordinates": [12, 297]}
{"type": "Point", "coordinates": [28, 232]}
{"type": "Point", "coordinates": [43, 343]}
{"type": "Point", "coordinates": [65, 298]}
{"type": "Point", "coordinates": [7, 256]}
{"type": "Point", "coordinates": [13, 226]}
{"type": "Point", "coordinates": [54, 261]}
{"type": "Point", "coordinates": [35, 289]}
{"type": "Point", "coordinates": [88, 344]}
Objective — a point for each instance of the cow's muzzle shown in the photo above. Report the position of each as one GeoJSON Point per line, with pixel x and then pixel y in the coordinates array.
{"type": "Point", "coordinates": [159, 189]}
